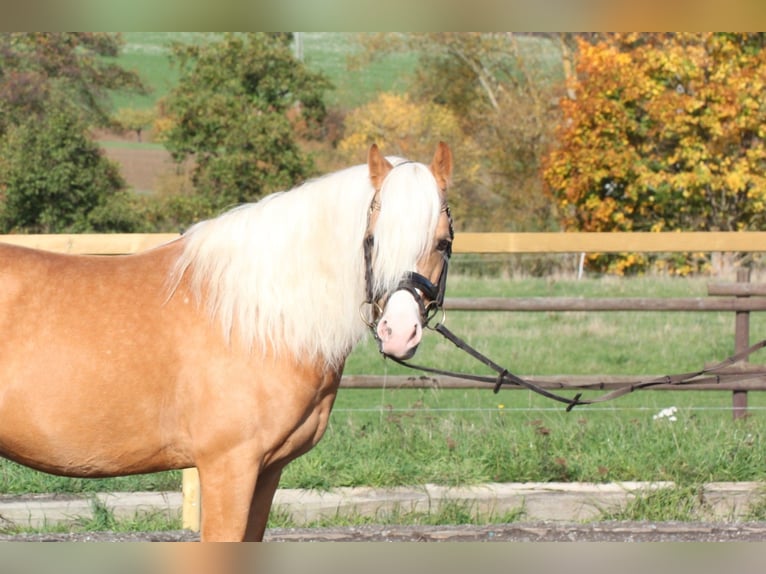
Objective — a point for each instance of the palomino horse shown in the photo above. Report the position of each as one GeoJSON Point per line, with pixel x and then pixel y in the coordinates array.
{"type": "Point", "coordinates": [223, 349]}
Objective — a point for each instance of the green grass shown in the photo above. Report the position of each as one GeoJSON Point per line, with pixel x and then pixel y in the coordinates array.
{"type": "Point", "coordinates": [449, 512]}
{"type": "Point", "coordinates": [685, 503]}
{"type": "Point", "coordinates": [327, 52]}
{"type": "Point", "coordinates": [148, 54]}
{"type": "Point", "coordinates": [17, 479]}
{"type": "Point", "coordinates": [103, 519]}
{"type": "Point", "coordinates": [389, 437]}
{"type": "Point", "coordinates": [517, 438]}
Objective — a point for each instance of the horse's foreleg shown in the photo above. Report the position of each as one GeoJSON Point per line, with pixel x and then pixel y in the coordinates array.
{"type": "Point", "coordinates": [227, 485]}
{"type": "Point", "coordinates": [267, 484]}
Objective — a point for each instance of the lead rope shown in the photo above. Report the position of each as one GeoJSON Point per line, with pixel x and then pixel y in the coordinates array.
{"type": "Point", "coordinates": [506, 377]}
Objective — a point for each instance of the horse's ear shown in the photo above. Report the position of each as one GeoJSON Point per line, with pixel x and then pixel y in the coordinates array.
{"type": "Point", "coordinates": [441, 166]}
{"type": "Point", "coordinates": [379, 167]}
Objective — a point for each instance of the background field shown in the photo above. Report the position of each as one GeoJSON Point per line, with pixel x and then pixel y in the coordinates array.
{"type": "Point", "coordinates": [327, 52]}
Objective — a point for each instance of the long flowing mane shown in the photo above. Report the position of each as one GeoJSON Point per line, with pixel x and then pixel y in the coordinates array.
{"type": "Point", "coordinates": [287, 273]}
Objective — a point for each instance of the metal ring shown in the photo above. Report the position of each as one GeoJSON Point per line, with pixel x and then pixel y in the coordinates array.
{"type": "Point", "coordinates": [432, 310]}
{"type": "Point", "coordinates": [375, 311]}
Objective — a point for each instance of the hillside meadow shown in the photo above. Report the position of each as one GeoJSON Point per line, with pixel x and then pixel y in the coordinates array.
{"type": "Point", "coordinates": [328, 52]}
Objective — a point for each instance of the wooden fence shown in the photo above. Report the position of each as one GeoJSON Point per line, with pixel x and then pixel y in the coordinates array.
{"type": "Point", "coordinates": [740, 298]}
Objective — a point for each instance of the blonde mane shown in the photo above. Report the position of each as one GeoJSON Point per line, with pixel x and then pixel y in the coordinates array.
{"type": "Point", "coordinates": [287, 273]}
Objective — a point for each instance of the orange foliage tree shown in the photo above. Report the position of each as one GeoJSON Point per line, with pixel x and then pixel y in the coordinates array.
{"type": "Point", "coordinates": [662, 132]}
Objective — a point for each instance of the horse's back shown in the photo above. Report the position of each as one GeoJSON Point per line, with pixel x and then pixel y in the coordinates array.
{"type": "Point", "coordinates": [52, 295]}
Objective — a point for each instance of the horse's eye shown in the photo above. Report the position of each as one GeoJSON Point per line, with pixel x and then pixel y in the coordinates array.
{"type": "Point", "coordinates": [444, 246]}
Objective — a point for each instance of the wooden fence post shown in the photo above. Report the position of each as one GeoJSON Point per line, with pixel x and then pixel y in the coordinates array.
{"type": "Point", "coordinates": [741, 342]}
{"type": "Point", "coordinates": [191, 500]}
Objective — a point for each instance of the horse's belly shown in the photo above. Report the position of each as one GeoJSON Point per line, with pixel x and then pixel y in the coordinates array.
{"type": "Point", "coordinates": [75, 422]}
{"type": "Point", "coordinates": [83, 440]}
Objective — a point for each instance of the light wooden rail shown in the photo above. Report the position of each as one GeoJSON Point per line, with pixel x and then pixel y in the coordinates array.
{"type": "Point", "coordinates": [617, 242]}
{"type": "Point", "coordinates": [612, 242]}
{"type": "Point", "coordinates": [91, 243]}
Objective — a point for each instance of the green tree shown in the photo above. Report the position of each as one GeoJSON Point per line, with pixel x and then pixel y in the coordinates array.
{"type": "Point", "coordinates": [238, 109]}
{"type": "Point", "coordinates": [53, 177]}
{"type": "Point", "coordinates": [663, 132]}
{"type": "Point", "coordinates": [134, 120]}
{"type": "Point", "coordinates": [54, 87]}
{"type": "Point", "coordinates": [36, 67]}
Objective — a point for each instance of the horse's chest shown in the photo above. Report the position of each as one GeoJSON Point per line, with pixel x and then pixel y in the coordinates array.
{"type": "Point", "coordinates": [309, 422]}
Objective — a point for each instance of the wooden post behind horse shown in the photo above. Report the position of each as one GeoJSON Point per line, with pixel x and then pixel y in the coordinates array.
{"type": "Point", "coordinates": [221, 350]}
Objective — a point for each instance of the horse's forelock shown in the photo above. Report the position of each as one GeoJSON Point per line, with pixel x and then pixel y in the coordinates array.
{"type": "Point", "coordinates": [410, 207]}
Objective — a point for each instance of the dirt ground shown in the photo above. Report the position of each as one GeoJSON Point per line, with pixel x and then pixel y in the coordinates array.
{"type": "Point", "coordinates": [517, 532]}
{"type": "Point", "coordinates": [143, 169]}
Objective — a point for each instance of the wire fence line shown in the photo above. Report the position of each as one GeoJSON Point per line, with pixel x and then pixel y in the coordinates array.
{"type": "Point", "coordinates": [501, 410]}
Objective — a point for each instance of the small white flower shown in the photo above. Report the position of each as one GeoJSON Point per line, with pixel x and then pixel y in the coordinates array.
{"type": "Point", "coordinates": [668, 413]}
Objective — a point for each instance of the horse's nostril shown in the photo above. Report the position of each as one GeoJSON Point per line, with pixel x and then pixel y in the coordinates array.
{"type": "Point", "coordinates": [384, 331]}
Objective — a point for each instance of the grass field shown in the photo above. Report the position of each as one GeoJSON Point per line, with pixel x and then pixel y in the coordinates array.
{"type": "Point", "coordinates": [616, 343]}
{"type": "Point", "coordinates": [389, 437]}
{"type": "Point", "coordinates": [148, 53]}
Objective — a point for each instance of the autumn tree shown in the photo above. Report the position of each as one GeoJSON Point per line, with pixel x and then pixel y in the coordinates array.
{"type": "Point", "coordinates": [237, 110]}
{"type": "Point", "coordinates": [134, 120]}
{"type": "Point", "coordinates": [663, 132]}
{"type": "Point", "coordinates": [409, 129]}
{"type": "Point", "coordinates": [81, 67]}
{"type": "Point", "coordinates": [501, 87]}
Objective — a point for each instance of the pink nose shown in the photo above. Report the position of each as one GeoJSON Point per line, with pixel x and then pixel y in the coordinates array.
{"type": "Point", "coordinates": [399, 329]}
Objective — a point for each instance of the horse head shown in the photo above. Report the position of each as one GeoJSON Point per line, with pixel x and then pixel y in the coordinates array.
{"type": "Point", "coordinates": [406, 299]}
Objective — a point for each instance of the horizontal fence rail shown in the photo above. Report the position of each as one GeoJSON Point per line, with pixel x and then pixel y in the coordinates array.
{"type": "Point", "coordinates": [552, 304]}
{"type": "Point", "coordinates": [91, 243]}
{"type": "Point", "coordinates": [755, 382]}
{"type": "Point", "coordinates": [563, 242]}
{"type": "Point", "coordinates": [739, 298]}
{"type": "Point", "coordinates": [611, 242]}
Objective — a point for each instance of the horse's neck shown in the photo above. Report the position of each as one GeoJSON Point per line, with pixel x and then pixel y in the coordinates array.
{"type": "Point", "coordinates": [286, 274]}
